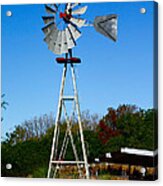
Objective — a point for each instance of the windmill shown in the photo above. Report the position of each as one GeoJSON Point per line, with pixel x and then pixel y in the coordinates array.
{"type": "Point", "coordinates": [62, 24]}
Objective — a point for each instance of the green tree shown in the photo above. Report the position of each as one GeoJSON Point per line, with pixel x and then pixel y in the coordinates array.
{"type": "Point", "coordinates": [4, 104]}
{"type": "Point", "coordinates": [129, 126]}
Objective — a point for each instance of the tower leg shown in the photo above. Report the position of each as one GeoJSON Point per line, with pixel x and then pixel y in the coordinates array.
{"type": "Point", "coordinates": [80, 123]}
{"type": "Point", "coordinates": [59, 111]}
{"type": "Point", "coordinates": [69, 53]}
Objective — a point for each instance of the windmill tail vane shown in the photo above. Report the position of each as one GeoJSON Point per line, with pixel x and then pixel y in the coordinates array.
{"type": "Point", "coordinates": [107, 25]}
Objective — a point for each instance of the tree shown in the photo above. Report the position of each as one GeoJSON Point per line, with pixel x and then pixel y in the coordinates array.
{"type": "Point", "coordinates": [89, 121]}
{"type": "Point", "coordinates": [128, 126]}
{"type": "Point", "coordinates": [4, 104]}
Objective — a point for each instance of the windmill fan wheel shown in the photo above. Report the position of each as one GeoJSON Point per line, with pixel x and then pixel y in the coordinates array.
{"type": "Point", "coordinates": [62, 24]}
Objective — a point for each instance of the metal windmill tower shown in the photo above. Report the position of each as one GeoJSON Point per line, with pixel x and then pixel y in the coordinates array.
{"type": "Point", "coordinates": [61, 32]}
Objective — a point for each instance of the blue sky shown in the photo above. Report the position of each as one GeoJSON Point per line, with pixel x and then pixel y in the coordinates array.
{"type": "Point", "coordinates": [110, 73]}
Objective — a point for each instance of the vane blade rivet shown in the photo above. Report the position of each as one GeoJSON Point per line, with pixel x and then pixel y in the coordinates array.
{"type": "Point", "coordinates": [8, 166]}
{"type": "Point", "coordinates": [143, 10]}
{"type": "Point", "coordinates": [8, 13]}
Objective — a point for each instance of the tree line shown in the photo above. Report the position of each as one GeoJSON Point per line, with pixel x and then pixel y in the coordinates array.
{"type": "Point", "coordinates": [28, 147]}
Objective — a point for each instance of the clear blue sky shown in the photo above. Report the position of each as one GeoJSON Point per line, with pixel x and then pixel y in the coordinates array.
{"type": "Point", "coordinates": [110, 73]}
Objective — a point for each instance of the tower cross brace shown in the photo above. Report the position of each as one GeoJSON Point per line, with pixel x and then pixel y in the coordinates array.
{"type": "Point", "coordinates": [57, 160]}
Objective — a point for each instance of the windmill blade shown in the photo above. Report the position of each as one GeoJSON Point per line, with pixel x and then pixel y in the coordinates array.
{"type": "Point", "coordinates": [58, 44]}
{"type": "Point", "coordinates": [56, 6]}
{"type": "Point", "coordinates": [53, 40]}
{"type": "Point", "coordinates": [50, 10]}
{"type": "Point", "coordinates": [74, 5]}
{"type": "Point", "coordinates": [68, 7]}
{"type": "Point", "coordinates": [48, 28]}
{"type": "Point", "coordinates": [64, 46]}
{"type": "Point", "coordinates": [78, 22]}
{"type": "Point", "coordinates": [80, 11]}
{"type": "Point", "coordinates": [50, 36]}
{"type": "Point", "coordinates": [70, 41]}
{"type": "Point", "coordinates": [48, 19]}
{"type": "Point", "coordinates": [75, 33]}
{"type": "Point", "coordinates": [107, 25]}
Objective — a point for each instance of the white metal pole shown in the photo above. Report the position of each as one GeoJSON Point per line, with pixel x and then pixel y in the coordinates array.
{"type": "Point", "coordinates": [71, 139]}
{"type": "Point", "coordinates": [57, 118]}
{"type": "Point", "coordinates": [79, 120]}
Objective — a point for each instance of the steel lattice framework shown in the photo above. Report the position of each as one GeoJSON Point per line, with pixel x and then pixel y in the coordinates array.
{"type": "Point", "coordinates": [58, 160]}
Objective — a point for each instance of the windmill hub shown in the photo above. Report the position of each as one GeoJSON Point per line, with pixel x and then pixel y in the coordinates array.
{"type": "Point", "coordinates": [66, 17]}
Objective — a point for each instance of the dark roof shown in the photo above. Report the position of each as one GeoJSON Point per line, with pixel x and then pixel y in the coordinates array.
{"type": "Point", "coordinates": [131, 159]}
